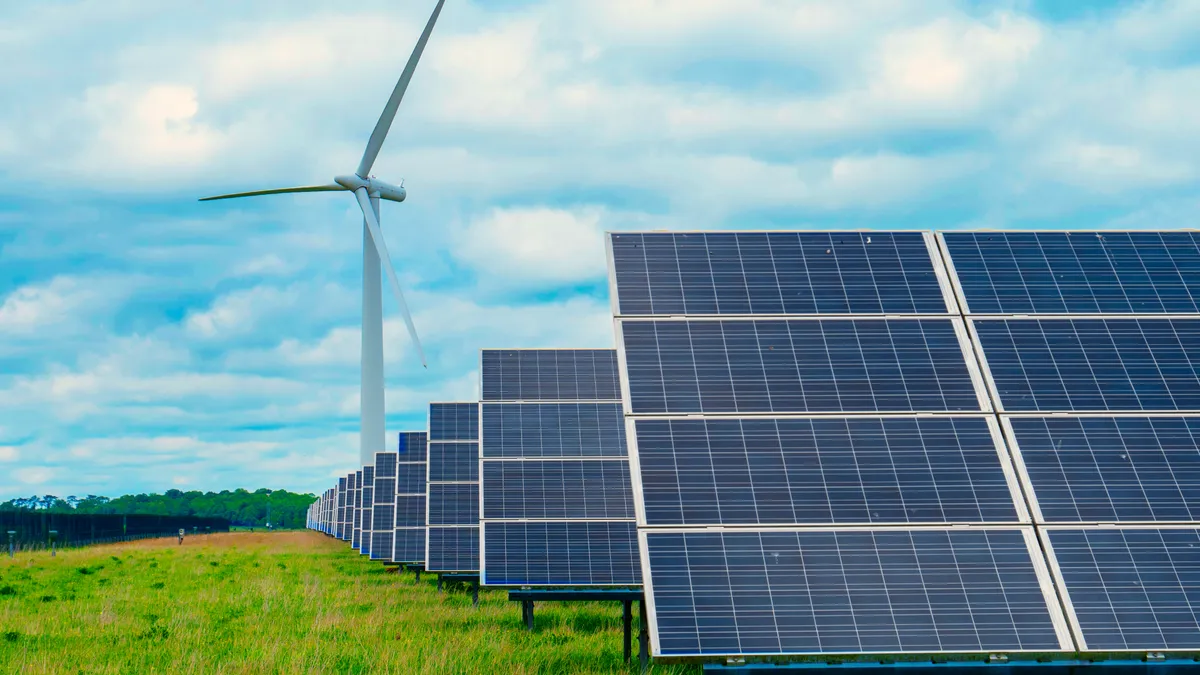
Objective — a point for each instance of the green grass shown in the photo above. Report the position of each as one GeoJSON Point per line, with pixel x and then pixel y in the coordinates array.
{"type": "Point", "coordinates": [286, 602]}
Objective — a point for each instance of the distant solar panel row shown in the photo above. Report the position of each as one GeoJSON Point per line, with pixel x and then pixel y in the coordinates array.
{"type": "Point", "coordinates": [556, 493]}
{"type": "Point", "coordinates": [452, 544]}
{"type": "Point", "coordinates": [368, 509]}
{"type": "Point", "coordinates": [409, 542]}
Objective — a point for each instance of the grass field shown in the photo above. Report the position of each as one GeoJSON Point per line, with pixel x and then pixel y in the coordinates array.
{"type": "Point", "coordinates": [284, 602]}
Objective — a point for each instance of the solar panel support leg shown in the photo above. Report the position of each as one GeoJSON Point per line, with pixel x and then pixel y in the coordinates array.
{"type": "Point", "coordinates": [417, 572]}
{"type": "Point", "coordinates": [643, 636]}
{"type": "Point", "coordinates": [475, 592]}
{"type": "Point", "coordinates": [439, 583]}
{"type": "Point", "coordinates": [627, 623]}
{"type": "Point", "coordinates": [527, 610]}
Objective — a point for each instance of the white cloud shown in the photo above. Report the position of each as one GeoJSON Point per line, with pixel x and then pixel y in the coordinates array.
{"type": "Point", "coordinates": [9, 453]}
{"type": "Point", "coordinates": [33, 308]}
{"type": "Point", "coordinates": [536, 245]}
{"type": "Point", "coordinates": [33, 475]}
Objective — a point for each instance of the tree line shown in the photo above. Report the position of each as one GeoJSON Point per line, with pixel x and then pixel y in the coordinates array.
{"type": "Point", "coordinates": [281, 508]}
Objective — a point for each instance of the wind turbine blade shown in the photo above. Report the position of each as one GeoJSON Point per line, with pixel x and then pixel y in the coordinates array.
{"type": "Point", "coordinates": [389, 111]}
{"type": "Point", "coordinates": [332, 187]}
{"type": "Point", "coordinates": [364, 203]}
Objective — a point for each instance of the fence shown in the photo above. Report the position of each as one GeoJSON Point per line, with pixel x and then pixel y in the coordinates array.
{"type": "Point", "coordinates": [32, 528]}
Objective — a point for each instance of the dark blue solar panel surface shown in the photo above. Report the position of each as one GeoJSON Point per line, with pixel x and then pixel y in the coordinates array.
{"type": "Point", "coordinates": [822, 471]}
{"type": "Point", "coordinates": [1132, 588]}
{"type": "Point", "coordinates": [410, 510]}
{"type": "Point", "coordinates": [553, 430]}
{"type": "Point", "coordinates": [1093, 364]}
{"type": "Point", "coordinates": [383, 517]}
{"type": "Point", "coordinates": [775, 273]}
{"type": "Point", "coordinates": [385, 464]}
{"type": "Point", "coordinates": [409, 545]}
{"type": "Point", "coordinates": [410, 478]}
{"type": "Point", "coordinates": [831, 592]}
{"type": "Point", "coordinates": [1077, 272]}
{"type": "Point", "coordinates": [453, 503]}
{"type": "Point", "coordinates": [381, 544]}
{"type": "Point", "coordinates": [453, 462]}
{"type": "Point", "coordinates": [453, 549]}
{"type": "Point", "coordinates": [557, 489]}
{"type": "Point", "coordinates": [453, 421]}
{"type": "Point", "coordinates": [550, 375]}
{"type": "Point", "coordinates": [564, 553]}
{"type": "Point", "coordinates": [412, 444]}
{"type": "Point", "coordinates": [1112, 469]}
{"type": "Point", "coordinates": [828, 365]}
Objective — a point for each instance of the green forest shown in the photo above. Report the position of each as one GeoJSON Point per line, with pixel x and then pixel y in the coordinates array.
{"type": "Point", "coordinates": [280, 508]}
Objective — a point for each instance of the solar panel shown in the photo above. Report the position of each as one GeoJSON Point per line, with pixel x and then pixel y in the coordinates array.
{"type": "Point", "coordinates": [825, 470]}
{"type": "Point", "coordinates": [557, 490]}
{"type": "Point", "coordinates": [556, 510]}
{"type": "Point", "coordinates": [916, 590]}
{"type": "Point", "coordinates": [707, 273]}
{"type": "Point", "coordinates": [560, 553]}
{"type": "Point", "coordinates": [1085, 365]}
{"type": "Point", "coordinates": [550, 375]}
{"type": "Point", "coordinates": [798, 365]}
{"type": "Point", "coordinates": [1129, 588]}
{"type": "Point", "coordinates": [343, 531]}
{"type": "Point", "coordinates": [356, 489]}
{"type": "Point", "coordinates": [383, 506]}
{"type": "Point", "coordinates": [452, 544]}
{"type": "Point", "coordinates": [368, 503]}
{"type": "Point", "coordinates": [1135, 468]}
{"type": "Point", "coordinates": [554, 429]}
{"type": "Point", "coordinates": [1077, 272]}
{"type": "Point", "coordinates": [409, 540]}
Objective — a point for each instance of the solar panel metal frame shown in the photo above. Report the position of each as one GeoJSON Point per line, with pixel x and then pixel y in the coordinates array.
{"type": "Point", "coordinates": [980, 379]}
{"type": "Point", "coordinates": [960, 296]}
{"type": "Point", "coordinates": [941, 273]}
{"type": "Point", "coordinates": [1043, 532]}
{"type": "Point", "coordinates": [990, 383]}
{"type": "Point", "coordinates": [482, 522]}
{"type": "Point", "coordinates": [1061, 625]}
{"type": "Point", "coordinates": [428, 483]}
{"type": "Point", "coordinates": [1018, 461]}
{"type": "Point", "coordinates": [1011, 476]}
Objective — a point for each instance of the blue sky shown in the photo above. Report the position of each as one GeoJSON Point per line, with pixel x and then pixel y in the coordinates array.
{"type": "Point", "coordinates": [148, 341]}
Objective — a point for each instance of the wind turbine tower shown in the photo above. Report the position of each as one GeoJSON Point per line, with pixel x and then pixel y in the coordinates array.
{"type": "Point", "coordinates": [368, 191]}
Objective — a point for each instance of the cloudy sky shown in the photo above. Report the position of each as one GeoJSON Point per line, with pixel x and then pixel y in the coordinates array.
{"type": "Point", "coordinates": [148, 341]}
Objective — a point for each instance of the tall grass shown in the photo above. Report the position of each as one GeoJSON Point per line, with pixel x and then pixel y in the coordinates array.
{"type": "Point", "coordinates": [288, 602]}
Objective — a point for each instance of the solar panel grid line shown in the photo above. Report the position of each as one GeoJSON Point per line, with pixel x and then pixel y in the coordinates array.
{"type": "Point", "coordinates": [587, 369]}
{"type": "Point", "coordinates": [1083, 273]}
{"type": "Point", "coordinates": [1059, 622]}
{"type": "Point", "coordinates": [1004, 489]}
{"type": "Point", "coordinates": [1128, 604]}
{"type": "Point", "coordinates": [1168, 381]}
{"type": "Point", "coordinates": [673, 342]}
{"type": "Point", "coordinates": [706, 273]}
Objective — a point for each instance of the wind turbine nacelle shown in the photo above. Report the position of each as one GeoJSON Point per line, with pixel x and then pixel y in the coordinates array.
{"type": "Point", "coordinates": [374, 186]}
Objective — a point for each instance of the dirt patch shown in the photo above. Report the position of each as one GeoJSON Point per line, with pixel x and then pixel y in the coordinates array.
{"type": "Point", "coordinates": [294, 540]}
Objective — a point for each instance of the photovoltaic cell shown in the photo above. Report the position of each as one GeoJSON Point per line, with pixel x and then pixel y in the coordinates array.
{"type": "Point", "coordinates": [557, 489]}
{"type": "Point", "coordinates": [710, 273]}
{"type": "Point", "coordinates": [453, 504]}
{"type": "Point", "coordinates": [1077, 272]}
{"type": "Point", "coordinates": [563, 553]}
{"type": "Point", "coordinates": [826, 592]}
{"type": "Point", "coordinates": [553, 430]}
{"type": "Point", "coordinates": [453, 421]}
{"type": "Point", "coordinates": [799, 365]}
{"type": "Point", "coordinates": [550, 375]}
{"type": "Point", "coordinates": [382, 544]}
{"type": "Point", "coordinates": [1111, 469]}
{"type": "Point", "coordinates": [409, 545]}
{"type": "Point", "coordinates": [833, 470]}
{"type": "Point", "coordinates": [453, 549]}
{"type": "Point", "coordinates": [410, 510]}
{"type": "Point", "coordinates": [454, 462]}
{"type": "Point", "coordinates": [410, 478]}
{"type": "Point", "coordinates": [412, 445]}
{"type": "Point", "coordinates": [1043, 365]}
{"type": "Point", "coordinates": [1131, 588]}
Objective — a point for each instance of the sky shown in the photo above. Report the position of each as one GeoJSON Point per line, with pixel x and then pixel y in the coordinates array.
{"type": "Point", "coordinates": [150, 342]}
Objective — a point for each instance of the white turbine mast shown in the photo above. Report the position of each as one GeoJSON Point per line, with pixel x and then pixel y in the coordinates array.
{"type": "Point", "coordinates": [368, 190]}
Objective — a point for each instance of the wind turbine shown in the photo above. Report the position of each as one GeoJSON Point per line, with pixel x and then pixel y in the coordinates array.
{"type": "Point", "coordinates": [368, 190]}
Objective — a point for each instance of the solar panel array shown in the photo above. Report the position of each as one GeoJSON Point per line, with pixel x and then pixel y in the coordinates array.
{"type": "Point", "coordinates": [408, 545]}
{"type": "Point", "coordinates": [555, 490]}
{"type": "Point", "coordinates": [383, 507]}
{"type": "Point", "coordinates": [452, 544]}
{"type": "Point", "coordinates": [1091, 346]}
{"type": "Point", "coordinates": [816, 468]}
{"type": "Point", "coordinates": [367, 499]}
{"type": "Point", "coordinates": [356, 535]}
{"type": "Point", "coordinates": [342, 495]}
